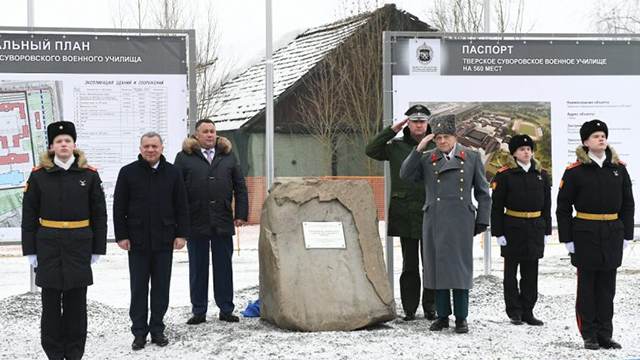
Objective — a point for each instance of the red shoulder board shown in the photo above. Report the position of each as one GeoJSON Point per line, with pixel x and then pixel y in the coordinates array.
{"type": "Point", "coordinates": [94, 169]}
{"type": "Point", "coordinates": [503, 169]}
{"type": "Point", "coordinates": [36, 168]}
{"type": "Point", "coordinates": [575, 164]}
{"type": "Point", "coordinates": [434, 157]}
{"type": "Point", "coordinates": [622, 163]}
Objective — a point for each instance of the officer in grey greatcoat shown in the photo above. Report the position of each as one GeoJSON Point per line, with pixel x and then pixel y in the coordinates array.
{"type": "Point", "coordinates": [450, 173]}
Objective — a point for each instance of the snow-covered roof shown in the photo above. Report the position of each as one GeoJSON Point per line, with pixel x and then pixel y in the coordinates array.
{"type": "Point", "coordinates": [243, 97]}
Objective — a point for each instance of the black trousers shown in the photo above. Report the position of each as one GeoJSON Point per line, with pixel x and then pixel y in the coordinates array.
{"type": "Point", "coordinates": [520, 301]}
{"type": "Point", "coordinates": [145, 266]}
{"type": "Point", "coordinates": [410, 284]}
{"type": "Point", "coordinates": [594, 303]}
{"type": "Point", "coordinates": [63, 326]}
{"type": "Point", "coordinates": [221, 247]}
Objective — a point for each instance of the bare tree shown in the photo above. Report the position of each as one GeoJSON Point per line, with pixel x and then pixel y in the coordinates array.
{"type": "Point", "coordinates": [618, 16]}
{"type": "Point", "coordinates": [130, 14]}
{"type": "Point", "coordinates": [342, 101]}
{"type": "Point", "coordinates": [362, 93]}
{"type": "Point", "coordinates": [319, 108]}
{"type": "Point", "coordinates": [211, 72]}
{"type": "Point", "coordinates": [509, 15]}
{"type": "Point", "coordinates": [457, 15]}
{"type": "Point", "coordinates": [171, 14]}
{"type": "Point", "coordinates": [468, 15]}
{"type": "Point", "coordinates": [347, 98]}
{"type": "Point", "coordinates": [352, 8]}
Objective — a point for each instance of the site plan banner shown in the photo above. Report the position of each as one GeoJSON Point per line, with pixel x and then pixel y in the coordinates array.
{"type": "Point", "coordinates": [114, 88]}
{"type": "Point", "coordinates": [543, 88]}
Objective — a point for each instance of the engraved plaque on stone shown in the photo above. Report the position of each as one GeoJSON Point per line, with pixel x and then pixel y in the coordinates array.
{"type": "Point", "coordinates": [323, 235]}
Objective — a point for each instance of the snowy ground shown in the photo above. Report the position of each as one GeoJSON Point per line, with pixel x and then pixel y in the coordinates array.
{"type": "Point", "coordinates": [491, 336]}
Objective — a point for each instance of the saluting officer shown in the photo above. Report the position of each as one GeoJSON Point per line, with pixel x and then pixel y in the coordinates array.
{"type": "Point", "coordinates": [521, 221]}
{"type": "Point", "coordinates": [599, 188]}
{"type": "Point", "coordinates": [405, 205]}
{"type": "Point", "coordinates": [450, 173]}
{"type": "Point", "coordinates": [64, 229]}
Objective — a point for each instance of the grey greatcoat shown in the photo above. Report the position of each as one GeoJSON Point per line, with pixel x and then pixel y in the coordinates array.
{"type": "Point", "coordinates": [449, 214]}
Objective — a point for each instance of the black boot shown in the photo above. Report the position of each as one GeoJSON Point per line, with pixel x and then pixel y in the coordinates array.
{"type": "Point", "coordinates": [531, 320]}
{"type": "Point", "coordinates": [609, 344]}
{"type": "Point", "coordinates": [461, 326]}
{"type": "Point", "coordinates": [430, 315]}
{"type": "Point", "coordinates": [409, 317]}
{"type": "Point", "coordinates": [516, 320]}
{"type": "Point", "coordinates": [197, 319]}
{"type": "Point", "coordinates": [228, 317]}
{"type": "Point", "coordinates": [591, 344]}
{"type": "Point", "coordinates": [159, 339]}
{"type": "Point", "coordinates": [439, 324]}
{"type": "Point", "coordinates": [138, 342]}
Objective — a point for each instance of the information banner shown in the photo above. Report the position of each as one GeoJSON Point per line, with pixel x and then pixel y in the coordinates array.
{"type": "Point", "coordinates": [114, 88]}
{"type": "Point", "coordinates": [545, 88]}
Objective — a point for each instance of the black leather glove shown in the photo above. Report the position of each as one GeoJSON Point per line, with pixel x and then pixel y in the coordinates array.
{"type": "Point", "coordinates": [479, 228]}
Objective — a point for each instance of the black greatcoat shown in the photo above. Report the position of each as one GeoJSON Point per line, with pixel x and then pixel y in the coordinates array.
{"type": "Point", "coordinates": [211, 188]}
{"type": "Point", "coordinates": [517, 190]}
{"type": "Point", "coordinates": [51, 193]}
{"type": "Point", "coordinates": [150, 205]}
{"type": "Point", "coordinates": [592, 189]}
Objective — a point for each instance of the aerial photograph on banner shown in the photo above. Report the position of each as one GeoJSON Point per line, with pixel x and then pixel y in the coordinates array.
{"type": "Point", "coordinates": [25, 110]}
{"type": "Point", "coordinates": [487, 128]}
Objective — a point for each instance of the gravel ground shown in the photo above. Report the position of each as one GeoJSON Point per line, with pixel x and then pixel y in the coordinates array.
{"type": "Point", "coordinates": [491, 336]}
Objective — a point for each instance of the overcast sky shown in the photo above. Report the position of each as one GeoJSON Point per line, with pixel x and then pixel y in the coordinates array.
{"type": "Point", "coordinates": [241, 23]}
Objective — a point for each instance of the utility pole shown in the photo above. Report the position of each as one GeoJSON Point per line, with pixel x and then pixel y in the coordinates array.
{"type": "Point", "coordinates": [30, 9]}
{"type": "Point", "coordinates": [487, 16]}
{"type": "Point", "coordinates": [30, 24]}
{"type": "Point", "coordinates": [268, 143]}
{"type": "Point", "coordinates": [486, 237]}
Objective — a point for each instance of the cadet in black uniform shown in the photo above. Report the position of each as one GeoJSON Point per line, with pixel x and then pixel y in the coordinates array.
{"type": "Point", "coordinates": [64, 224]}
{"type": "Point", "coordinates": [521, 221]}
{"type": "Point", "coordinates": [599, 188]}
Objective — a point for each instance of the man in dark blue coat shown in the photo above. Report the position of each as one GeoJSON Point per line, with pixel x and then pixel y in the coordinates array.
{"type": "Point", "coordinates": [151, 218]}
{"type": "Point", "coordinates": [214, 180]}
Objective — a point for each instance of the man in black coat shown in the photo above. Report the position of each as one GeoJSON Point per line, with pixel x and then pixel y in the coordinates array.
{"type": "Point", "coordinates": [598, 186]}
{"type": "Point", "coordinates": [214, 180]}
{"type": "Point", "coordinates": [151, 218]}
{"type": "Point", "coordinates": [521, 221]}
{"type": "Point", "coordinates": [64, 230]}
